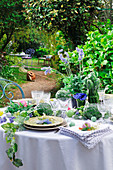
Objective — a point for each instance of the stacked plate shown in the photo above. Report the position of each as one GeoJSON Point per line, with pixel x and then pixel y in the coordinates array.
{"type": "Point", "coordinates": [56, 122]}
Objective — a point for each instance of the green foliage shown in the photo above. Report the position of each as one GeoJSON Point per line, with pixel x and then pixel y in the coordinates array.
{"type": "Point", "coordinates": [10, 130]}
{"type": "Point", "coordinates": [52, 41]}
{"type": "Point", "coordinates": [91, 111]}
{"type": "Point", "coordinates": [73, 18]}
{"type": "Point", "coordinates": [13, 60]}
{"type": "Point", "coordinates": [21, 114]}
{"type": "Point", "coordinates": [98, 51]}
{"type": "Point", "coordinates": [14, 107]}
{"type": "Point", "coordinates": [87, 112]}
{"type": "Point", "coordinates": [27, 37]}
{"type": "Point", "coordinates": [3, 61]}
{"type": "Point", "coordinates": [42, 51]}
{"type": "Point", "coordinates": [98, 54]}
{"type": "Point", "coordinates": [13, 74]}
{"type": "Point", "coordinates": [74, 84]}
{"type": "Point", "coordinates": [44, 108]}
{"type": "Point", "coordinates": [12, 17]}
{"type": "Point", "coordinates": [7, 72]}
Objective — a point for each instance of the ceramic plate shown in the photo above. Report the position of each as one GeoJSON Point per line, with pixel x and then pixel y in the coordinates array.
{"type": "Point", "coordinates": [108, 96]}
{"type": "Point", "coordinates": [55, 121]}
{"type": "Point", "coordinates": [111, 119]}
{"type": "Point", "coordinates": [64, 124]}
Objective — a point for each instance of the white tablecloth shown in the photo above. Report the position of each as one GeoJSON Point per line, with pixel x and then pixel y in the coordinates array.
{"type": "Point", "coordinates": [53, 151]}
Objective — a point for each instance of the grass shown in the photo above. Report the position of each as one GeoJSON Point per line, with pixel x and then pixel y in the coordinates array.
{"type": "Point", "coordinates": [20, 77]}
{"type": "Point", "coordinates": [34, 62]}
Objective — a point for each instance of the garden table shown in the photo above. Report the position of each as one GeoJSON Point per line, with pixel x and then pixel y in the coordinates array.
{"type": "Point", "coordinates": [22, 55]}
{"type": "Point", "coordinates": [46, 59]}
{"type": "Point", "coordinates": [47, 150]}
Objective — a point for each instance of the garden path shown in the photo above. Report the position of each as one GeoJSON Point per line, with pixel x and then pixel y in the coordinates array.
{"type": "Point", "coordinates": [41, 83]}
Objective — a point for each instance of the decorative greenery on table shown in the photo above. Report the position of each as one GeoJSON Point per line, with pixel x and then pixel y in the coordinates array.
{"type": "Point", "coordinates": [15, 115]}
{"type": "Point", "coordinates": [90, 112]}
{"type": "Point", "coordinates": [84, 112]}
{"type": "Point", "coordinates": [43, 108]}
{"type": "Point", "coordinates": [92, 83]}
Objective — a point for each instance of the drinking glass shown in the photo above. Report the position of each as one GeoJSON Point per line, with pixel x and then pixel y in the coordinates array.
{"type": "Point", "coordinates": [37, 95]}
{"type": "Point", "coordinates": [101, 95]}
{"type": "Point", "coordinates": [54, 105]}
{"type": "Point", "coordinates": [109, 104]}
{"type": "Point", "coordinates": [102, 107]}
{"type": "Point", "coordinates": [46, 97]}
{"type": "Point", "coordinates": [63, 105]}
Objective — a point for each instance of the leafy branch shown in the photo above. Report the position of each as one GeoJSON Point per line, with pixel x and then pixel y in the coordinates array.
{"type": "Point", "coordinates": [19, 113]}
{"type": "Point", "coordinates": [10, 130]}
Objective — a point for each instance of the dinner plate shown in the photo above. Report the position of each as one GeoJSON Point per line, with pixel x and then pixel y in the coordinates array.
{"type": "Point", "coordinates": [108, 96]}
{"type": "Point", "coordinates": [30, 100]}
{"type": "Point", "coordinates": [54, 119]}
{"type": "Point", "coordinates": [111, 119]}
{"type": "Point", "coordinates": [64, 124]}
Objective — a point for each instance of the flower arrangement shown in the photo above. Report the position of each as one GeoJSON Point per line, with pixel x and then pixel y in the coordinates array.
{"type": "Point", "coordinates": [73, 83]}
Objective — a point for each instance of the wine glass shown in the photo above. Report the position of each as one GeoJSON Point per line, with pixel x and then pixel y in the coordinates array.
{"type": "Point", "coordinates": [101, 95]}
{"type": "Point", "coordinates": [109, 104]}
{"type": "Point", "coordinates": [54, 105]}
{"type": "Point", "coordinates": [63, 105]}
{"type": "Point", "coordinates": [102, 107]}
{"type": "Point", "coordinates": [37, 95]}
{"type": "Point", "coordinates": [46, 97]}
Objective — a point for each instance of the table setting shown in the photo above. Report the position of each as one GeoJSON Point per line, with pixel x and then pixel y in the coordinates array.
{"type": "Point", "coordinates": [56, 125]}
{"type": "Point", "coordinates": [43, 119]}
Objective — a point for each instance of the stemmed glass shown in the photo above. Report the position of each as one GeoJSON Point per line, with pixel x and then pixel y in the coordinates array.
{"type": "Point", "coordinates": [102, 108]}
{"type": "Point", "coordinates": [63, 105]}
{"type": "Point", "coordinates": [54, 105]}
{"type": "Point", "coordinates": [46, 97]}
{"type": "Point", "coordinates": [109, 104]}
{"type": "Point", "coordinates": [105, 107]}
{"type": "Point", "coordinates": [37, 95]}
{"type": "Point", "coordinates": [101, 95]}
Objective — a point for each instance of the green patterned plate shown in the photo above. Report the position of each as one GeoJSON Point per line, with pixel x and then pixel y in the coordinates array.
{"type": "Point", "coordinates": [64, 124]}
{"type": "Point", "coordinates": [55, 121]}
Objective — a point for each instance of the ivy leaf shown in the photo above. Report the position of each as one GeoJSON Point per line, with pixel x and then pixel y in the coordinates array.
{"type": "Point", "coordinates": [17, 162]}
{"type": "Point", "coordinates": [10, 153]}
{"type": "Point", "coordinates": [15, 147]}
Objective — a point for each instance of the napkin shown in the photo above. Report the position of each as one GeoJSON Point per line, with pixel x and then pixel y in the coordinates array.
{"type": "Point", "coordinates": [88, 138]}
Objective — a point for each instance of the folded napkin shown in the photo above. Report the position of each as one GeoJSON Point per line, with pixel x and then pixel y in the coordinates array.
{"type": "Point", "coordinates": [88, 138]}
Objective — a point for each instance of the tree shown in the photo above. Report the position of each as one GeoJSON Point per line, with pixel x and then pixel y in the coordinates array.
{"type": "Point", "coordinates": [72, 17]}
{"type": "Point", "coordinates": [11, 17]}
{"type": "Point", "coordinates": [107, 11]}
